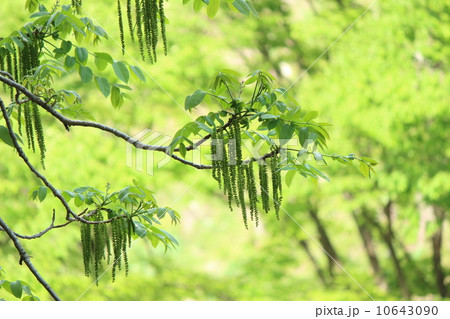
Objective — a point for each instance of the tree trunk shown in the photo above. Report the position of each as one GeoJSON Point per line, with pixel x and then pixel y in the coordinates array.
{"type": "Point", "coordinates": [437, 244]}
{"type": "Point", "coordinates": [369, 246]}
{"type": "Point", "coordinates": [324, 240]}
{"type": "Point", "coordinates": [319, 271]}
{"type": "Point", "coordinates": [388, 237]}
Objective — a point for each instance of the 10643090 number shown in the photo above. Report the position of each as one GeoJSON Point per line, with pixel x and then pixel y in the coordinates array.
{"type": "Point", "coordinates": [407, 310]}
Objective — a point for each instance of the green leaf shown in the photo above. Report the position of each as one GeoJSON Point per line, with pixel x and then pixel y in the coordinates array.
{"type": "Point", "coordinates": [82, 189]}
{"type": "Point", "coordinates": [138, 72]}
{"type": "Point", "coordinates": [272, 124]}
{"type": "Point", "coordinates": [198, 4]}
{"type": "Point", "coordinates": [251, 80]}
{"type": "Point", "coordinates": [369, 160]}
{"type": "Point", "coordinates": [69, 62]}
{"type": "Point", "coordinates": [303, 134]}
{"type": "Point", "coordinates": [85, 74]}
{"type": "Point", "coordinates": [68, 195]}
{"type": "Point", "coordinates": [79, 200]}
{"type": "Point", "coordinates": [116, 97]}
{"type": "Point", "coordinates": [212, 8]}
{"type": "Point", "coordinates": [39, 14]}
{"type": "Point", "coordinates": [26, 288]}
{"type": "Point", "coordinates": [289, 177]}
{"type": "Point", "coordinates": [205, 127]}
{"type": "Point", "coordinates": [194, 99]}
{"type": "Point", "coordinates": [121, 70]}
{"type": "Point", "coordinates": [42, 193]}
{"type": "Point", "coordinates": [252, 8]}
{"type": "Point", "coordinates": [183, 150]}
{"type": "Point", "coordinates": [241, 6]}
{"type": "Point", "coordinates": [281, 106]}
{"type": "Point", "coordinates": [66, 46]}
{"type": "Point", "coordinates": [316, 171]}
{"type": "Point", "coordinates": [18, 42]}
{"type": "Point", "coordinates": [139, 229]}
{"type": "Point", "coordinates": [318, 157]}
{"type": "Point", "coordinates": [81, 55]}
{"type": "Point", "coordinates": [310, 116]}
{"type": "Point", "coordinates": [287, 130]}
{"type": "Point", "coordinates": [102, 59]}
{"type": "Point", "coordinates": [364, 169]}
{"type": "Point", "coordinates": [5, 137]}
{"type": "Point", "coordinates": [16, 288]}
{"type": "Point", "coordinates": [31, 5]}
{"type": "Point", "coordinates": [267, 116]}
{"type": "Point", "coordinates": [103, 85]}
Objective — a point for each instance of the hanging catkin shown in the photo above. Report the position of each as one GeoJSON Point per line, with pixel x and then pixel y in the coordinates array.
{"type": "Point", "coordinates": [139, 32]}
{"type": "Point", "coordinates": [225, 169]}
{"type": "Point", "coordinates": [120, 20]}
{"type": "Point", "coordinates": [216, 173]}
{"type": "Point", "coordinates": [16, 64]}
{"type": "Point", "coordinates": [252, 193]}
{"type": "Point", "coordinates": [162, 20]}
{"type": "Point", "coordinates": [9, 69]}
{"type": "Point", "coordinates": [264, 185]}
{"type": "Point", "coordinates": [25, 63]}
{"type": "Point", "coordinates": [85, 231]}
{"type": "Point", "coordinates": [27, 110]}
{"type": "Point", "coordinates": [100, 243]}
{"type": "Point", "coordinates": [240, 170]}
{"type": "Point", "coordinates": [130, 20]}
{"type": "Point", "coordinates": [276, 184]}
{"type": "Point", "coordinates": [232, 164]}
{"type": "Point", "coordinates": [39, 133]}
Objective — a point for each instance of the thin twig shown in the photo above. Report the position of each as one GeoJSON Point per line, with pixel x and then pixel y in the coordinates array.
{"type": "Point", "coordinates": [26, 259]}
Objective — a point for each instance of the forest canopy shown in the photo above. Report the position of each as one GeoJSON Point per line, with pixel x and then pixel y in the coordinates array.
{"type": "Point", "coordinates": [127, 143]}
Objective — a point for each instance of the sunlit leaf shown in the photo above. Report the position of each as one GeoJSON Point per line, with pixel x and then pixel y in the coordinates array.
{"type": "Point", "coordinates": [121, 70]}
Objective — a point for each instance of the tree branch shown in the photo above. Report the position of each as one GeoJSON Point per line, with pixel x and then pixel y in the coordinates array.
{"type": "Point", "coordinates": [30, 166]}
{"type": "Point", "coordinates": [26, 258]}
{"type": "Point", "coordinates": [69, 122]}
{"type": "Point", "coordinates": [4, 77]}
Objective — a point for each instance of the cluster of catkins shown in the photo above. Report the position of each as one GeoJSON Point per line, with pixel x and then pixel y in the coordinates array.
{"type": "Point", "coordinates": [237, 177]}
{"type": "Point", "coordinates": [19, 62]}
{"type": "Point", "coordinates": [101, 241]}
{"type": "Point", "coordinates": [147, 19]}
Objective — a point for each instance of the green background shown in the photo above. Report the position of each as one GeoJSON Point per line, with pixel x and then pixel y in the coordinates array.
{"type": "Point", "coordinates": [385, 87]}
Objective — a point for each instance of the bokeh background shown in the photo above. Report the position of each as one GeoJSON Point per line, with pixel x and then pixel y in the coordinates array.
{"type": "Point", "coordinates": [385, 87]}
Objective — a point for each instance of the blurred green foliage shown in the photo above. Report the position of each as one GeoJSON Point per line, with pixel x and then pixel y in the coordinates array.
{"type": "Point", "coordinates": [384, 85]}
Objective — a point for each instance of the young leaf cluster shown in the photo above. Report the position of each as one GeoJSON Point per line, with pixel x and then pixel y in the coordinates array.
{"type": "Point", "coordinates": [275, 131]}
{"type": "Point", "coordinates": [110, 221]}
{"type": "Point", "coordinates": [60, 35]}
{"type": "Point", "coordinates": [18, 288]}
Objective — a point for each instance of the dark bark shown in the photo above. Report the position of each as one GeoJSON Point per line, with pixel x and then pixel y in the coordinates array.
{"type": "Point", "coordinates": [436, 241]}
{"type": "Point", "coordinates": [369, 246]}
{"type": "Point", "coordinates": [319, 271]}
{"type": "Point", "coordinates": [24, 257]}
{"type": "Point", "coordinates": [324, 240]}
{"type": "Point", "coordinates": [388, 237]}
